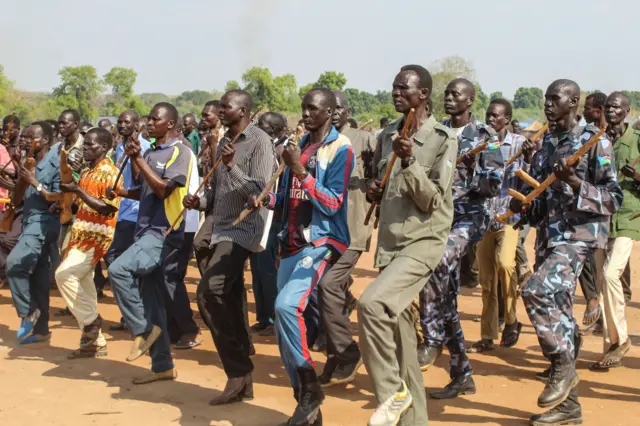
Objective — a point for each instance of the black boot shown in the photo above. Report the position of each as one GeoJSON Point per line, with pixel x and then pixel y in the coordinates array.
{"type": "Point", "coordinates": [327, 373]}
{"type": "Point", "coordinates": [427, 356]}
{"type": "Point", "coordinates": [318, 421]}
{"type": "Point", "coordinates": [568, 412]}
{"type": "Point", "coordinates": [309, 399]}
{"type": "Point", "coordinates": [562, 379]}
{"type": "Point", "coordinates": [577, 345]}
{"type": "Point", "coordinates": [463, 385]}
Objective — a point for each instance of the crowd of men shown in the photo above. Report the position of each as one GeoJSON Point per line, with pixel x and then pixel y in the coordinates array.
{"type": "Point", "coordinates": [148, 192]}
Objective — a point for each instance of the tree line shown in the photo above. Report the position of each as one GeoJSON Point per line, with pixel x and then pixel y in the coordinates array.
{"type": "Point", "coordinates": [92, 95]}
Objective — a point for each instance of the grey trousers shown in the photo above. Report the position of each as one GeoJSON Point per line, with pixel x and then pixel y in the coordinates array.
{"type": "Point", "coordinates": [387, 334]}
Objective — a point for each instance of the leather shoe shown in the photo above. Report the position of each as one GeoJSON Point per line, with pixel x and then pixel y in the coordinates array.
{"type": "Point", "coordinates": [237, 389]}
{"type": "Point", "coordinates": [463, 385]}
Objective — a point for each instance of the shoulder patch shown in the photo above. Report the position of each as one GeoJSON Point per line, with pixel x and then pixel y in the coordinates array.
{"type": "Point", "coordinates": [444, 130]}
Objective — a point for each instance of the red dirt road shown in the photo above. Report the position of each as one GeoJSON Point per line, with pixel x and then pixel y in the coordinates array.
{"type": "Point", "coordinates": [39, 385]}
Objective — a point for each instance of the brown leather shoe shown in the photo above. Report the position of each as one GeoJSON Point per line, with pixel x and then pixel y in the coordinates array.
{"type": "Point", "coordinates": [237, 389]}
{"type": "Point", "coordinates": [170, 374]}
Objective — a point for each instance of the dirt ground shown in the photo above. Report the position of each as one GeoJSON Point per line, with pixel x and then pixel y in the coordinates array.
{"type": "Point", "coordinates": [38, 383]}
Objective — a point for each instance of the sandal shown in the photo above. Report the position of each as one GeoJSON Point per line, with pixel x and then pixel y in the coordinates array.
{"type": "Point", "coordinates": [613, 358]}
{"type": "Point", "coordinates": [189, 342]}
{"type": "Point", "coordinates": [592, 317]}
{"type": "Point", "coordinates": [482, 346]}
{"type": "Point", "coordinates": [511, 336]}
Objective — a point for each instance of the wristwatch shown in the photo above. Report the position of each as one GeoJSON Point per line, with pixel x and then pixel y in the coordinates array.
{"type": "Point", "coordinates": [39, 187]}
{"type": "Point", "coordinates": [407, 161]}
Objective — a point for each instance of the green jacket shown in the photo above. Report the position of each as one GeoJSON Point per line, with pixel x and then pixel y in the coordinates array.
{"type": "Point", "coordinates": [417, 205]}
{"type": "Point", "coordinates": [626, 150]}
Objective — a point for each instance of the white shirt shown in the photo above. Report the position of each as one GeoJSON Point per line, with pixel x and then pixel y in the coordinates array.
{"type": "Point", "coordinates": [193, 216]}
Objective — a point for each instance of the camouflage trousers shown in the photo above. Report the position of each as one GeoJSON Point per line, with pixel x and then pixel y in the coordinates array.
{"type": "Point", "coordinates": [548, 297]}
{"type": "Point", "coordinates": [439, 297]}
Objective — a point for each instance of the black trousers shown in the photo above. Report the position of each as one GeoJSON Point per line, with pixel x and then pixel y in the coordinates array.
{"type": "Point", "coordinates": [588, 277]}
{"type": "Point", "coordinates": [179, 314]}
{"type": "Point", "coordinates": [333, 311]}
{"type": "Point", "coordinates": [222, 305]}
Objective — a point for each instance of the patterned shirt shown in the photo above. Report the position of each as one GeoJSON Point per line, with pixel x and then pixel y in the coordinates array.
{"type": "Point", "coordinates": [511, 144]}
{"type": "Point", "coordinates": [90, 229]}
{"type": "Point", "coordinates": [5, 161]}
{"type": "Point", "coordinates": [579, 218]}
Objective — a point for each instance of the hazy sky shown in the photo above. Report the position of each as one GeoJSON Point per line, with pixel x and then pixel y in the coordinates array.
{"type": "Point", "coordinates": [200, 44]}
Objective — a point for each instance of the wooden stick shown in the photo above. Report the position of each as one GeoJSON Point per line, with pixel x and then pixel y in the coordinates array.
{"type": "Point", "coordinates": [365, 124]}
{"type": "Point", "coordinates": [405, 130]}
{"type": "Point", "coordinates": [515, 194]}
{"type": "Point", "coordinates": [475, 151]}
{"type": "Point", "coordinates": [208, 176]}
{"type": "Point", "coordinates": [540, 133]}
{"type": "Point", "coordinates": [262, 195]}
{"type": "Point", "coordinates": [527, 178]}
{"type": "Point", "coordinates": [549, 180]}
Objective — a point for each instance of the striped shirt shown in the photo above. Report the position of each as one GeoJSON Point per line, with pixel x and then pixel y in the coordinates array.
{"type": "Point", "coordinates": [511, 144]}
{"type": "Point", "coordinates": [255, 163]}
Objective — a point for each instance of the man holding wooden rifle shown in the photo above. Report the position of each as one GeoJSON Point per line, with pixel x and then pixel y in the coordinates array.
{"type": "Point", "coordinates": [28, 264]}
{"type": "Point", "coordinates": [247, 162]}
{"type": "Point", "coordinates": [576, 210]}
{"type": "Point", "coordinates": [478, 178]}
{"type": "Point", "coordinates": [415, 218]}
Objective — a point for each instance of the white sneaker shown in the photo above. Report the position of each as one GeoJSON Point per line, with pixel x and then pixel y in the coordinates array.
{"type": "Point", "coordinates": [390, 411]}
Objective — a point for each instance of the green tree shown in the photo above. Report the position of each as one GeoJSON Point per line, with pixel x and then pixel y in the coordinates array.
{"type": "Point", "coordinates": [259, 83]}
{"type": "Point", "coordinates": [231, 85]}
{"type": "Point", "coordinates": [331, 80]}
{"type": "Point", "coordinates": [305, 89]}
{"type": "Point", "coordinates": [496, 95]}
{"type": "Point", "coordinates": [481, 103]}
{"type": "Point", "coordinates": [121, 81]}
{"type": "Point", "coordinates": [194, 97]}
{"type": "Point", "coordinates": [79, 87]}
{"type": "Point", "coordinates": [286, 97]}
{"type": "Point", "coordinates": [528, 98]}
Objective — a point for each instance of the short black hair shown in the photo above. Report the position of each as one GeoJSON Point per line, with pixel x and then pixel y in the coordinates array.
{"type": "Point", "coordinates": [276, 118]}
{"type": "Point", "coordinates": [74, 113]}
{"type": "Point", "coordinates": [133, 113]}
{"type": "Point", "coordinates": [515, 121]}
{"type": "Point", "coordinates": [104, 120]}
{"type": "Point", "coordinates": [14, 119]}
{"type": "Point", "coordinates": [599, 99]}
{"type": "Point", "coordinates": [566, 84]}
{"type": "Point", "coordinates": [104, 136]}
{"type": "Point", "coordinates": [622, 96]}
{"type": "Point", "coordinates": [54, 125]}
{"type": "Point", "coordinates": [244, 95]}
{"type": "Point", "coordinates": [467, 83]}
{"type": "Point", "coordinates": [353, 123]}
{"type": "Point", "coordinates": [327, 94]}
{"type": "Point", "coordinates": [506, 104]}
{"type": "Point", "coordinates": [213, 104]}
{"type": "Point", "coordinates": [384, 121]}
{"type": "Point", "coordinates": [426, 81]}
{"type": "Point", "coordinates": [171, 110]}
{"type": "Point", "coordinates": [191, 116]}
{"type": "Point", "coordinates": [47, 130]}
{"type": "Point", "coordinates": [86, 123]}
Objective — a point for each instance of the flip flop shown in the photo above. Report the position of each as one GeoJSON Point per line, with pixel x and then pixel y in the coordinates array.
{"type": "Point", "coordinates": [481, 346]}
{"type": "Point", "coordinates": [590, 318]}
{"type": "Point", "coordinates": [613, 358]}
{"type": "Point", "coordinates": [189, 343]}
{"type": "Point", "coordinates": [515, 333]}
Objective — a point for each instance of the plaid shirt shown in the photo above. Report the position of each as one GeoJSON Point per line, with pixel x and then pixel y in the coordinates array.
{"type": "Point", "coordinates": [511, 144]}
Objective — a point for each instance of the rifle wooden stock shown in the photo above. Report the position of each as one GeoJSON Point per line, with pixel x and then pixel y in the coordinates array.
{"type": "Point", "coordinates": [263, 194]}
{"type": "Point", "coordinates": [365, 124]}
{"type": "Point", "coordinates": [475, 151]}
{"type": "Point", "coordinates": [549, 180]}
{"type": "Point", "coordinates": [535, 137]}
{"type": "Point", "coordinates": [405, 130]}
{"type": "Point", "coordinates": [527, 178]}
{"type": "Point", "coordinates": [208, 176]}
{"type": "Point", "coordinates": [515, 194]}
{"type": "Point", "coordinates": [66, 176]}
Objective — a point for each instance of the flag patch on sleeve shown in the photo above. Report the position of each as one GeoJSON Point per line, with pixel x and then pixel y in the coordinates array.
{"type": "Point", "coordinates": [449, 164]}
{"type": "Point", "coordinates": [604, 160]}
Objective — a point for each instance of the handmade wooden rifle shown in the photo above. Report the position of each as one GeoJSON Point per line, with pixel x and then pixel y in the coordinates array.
{"type": "Point", "coordinates": [539, 188]}
{"type": "Point", "coordinates": [540, 133]}
{"type": "Point", "coordinates": [405, 129]}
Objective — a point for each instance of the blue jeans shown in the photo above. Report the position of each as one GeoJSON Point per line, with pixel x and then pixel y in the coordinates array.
{"type": "Point", "coordinates": [143, 307]}
{"type": "Point", "coordinates": [298, 278]}
{"type": "Point", "coordinates": [29, 271]}
{"type": "Point", "coordinates": [265, 277]}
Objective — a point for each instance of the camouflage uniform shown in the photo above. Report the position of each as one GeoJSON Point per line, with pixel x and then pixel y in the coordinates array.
{"type": "Point", "coordinates": [472, 189]}
{"type": "Point", "coordinates": [574, 225]}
